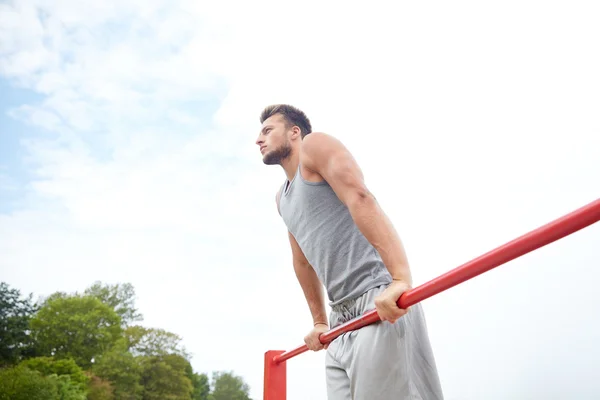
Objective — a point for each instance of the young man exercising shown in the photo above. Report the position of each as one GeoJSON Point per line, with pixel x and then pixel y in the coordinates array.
{"type": "Point", "coordinates": [341, 239]}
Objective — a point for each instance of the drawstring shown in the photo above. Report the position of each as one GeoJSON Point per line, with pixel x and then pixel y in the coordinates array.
{"type": "Point", "coordinates": [344, 312]}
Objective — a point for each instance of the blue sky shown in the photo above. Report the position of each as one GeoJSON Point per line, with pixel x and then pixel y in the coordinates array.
{"type": "Point", "coordinates": [473, 123]}
{"type": "Point", "coordinates": [13, 166]}
{"type": "Point", "coordinates": [18, 165]}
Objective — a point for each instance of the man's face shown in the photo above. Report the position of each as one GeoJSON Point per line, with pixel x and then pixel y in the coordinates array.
{"type": "Point", "coordinates": [273, 140]}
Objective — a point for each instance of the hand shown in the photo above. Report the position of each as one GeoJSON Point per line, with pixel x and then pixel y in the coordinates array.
{"type": "Point", "coordinates": [386, 303]}
{"type": "Point", "coordinates": [312, 339]}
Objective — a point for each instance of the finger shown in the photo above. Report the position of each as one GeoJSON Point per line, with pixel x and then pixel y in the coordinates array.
{"type": "Point", "coordinates": [396, 314]}
{"type": "Point", "coordinates": [402, 310]}
{"type": "Point", "coordinates": [388, 317]}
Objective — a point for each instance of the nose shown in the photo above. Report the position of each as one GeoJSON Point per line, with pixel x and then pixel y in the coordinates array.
{"type": "Point", "coordinates": [260, 140]}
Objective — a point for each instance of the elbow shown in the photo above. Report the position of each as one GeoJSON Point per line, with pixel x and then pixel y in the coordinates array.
{"type": "Point", "coordinates": [360, 198]}
{"type": "Point", "coordinates": [301, 264]}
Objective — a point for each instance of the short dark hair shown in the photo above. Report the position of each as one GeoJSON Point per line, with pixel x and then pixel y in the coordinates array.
{"type": "Point", "coordinates": [291, 114]}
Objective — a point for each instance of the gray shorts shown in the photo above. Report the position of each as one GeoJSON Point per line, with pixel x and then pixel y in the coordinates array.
{"type": "Point", "coordinates": [382, 361]}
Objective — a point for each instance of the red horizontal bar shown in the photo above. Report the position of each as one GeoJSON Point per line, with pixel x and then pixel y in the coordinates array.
{"type": "Point", "coordinates": [546, 234]}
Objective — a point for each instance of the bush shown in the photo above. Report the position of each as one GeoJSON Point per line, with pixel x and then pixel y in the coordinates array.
{"type": "Point", "coordinates": [67, 367]}
{"type": "Point", "coordinates": [22, 383]}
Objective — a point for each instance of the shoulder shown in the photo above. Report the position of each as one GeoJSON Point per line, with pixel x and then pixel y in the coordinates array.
{"type": "Point", "coordinates": [315, 141]}
{"type": "Point", "coordinates": [318, 147]}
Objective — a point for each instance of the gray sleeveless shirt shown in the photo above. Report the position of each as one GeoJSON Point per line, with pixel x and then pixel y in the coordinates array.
{"type": "Point", "coordinates": [344, 260]}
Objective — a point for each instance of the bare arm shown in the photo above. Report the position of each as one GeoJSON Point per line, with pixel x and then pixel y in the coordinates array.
{"type": "Point", "coordinates": [309, 281]}
{"type": "Point", "coordinates": [329, 158]}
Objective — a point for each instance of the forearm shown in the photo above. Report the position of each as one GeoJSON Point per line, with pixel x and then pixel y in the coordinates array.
{"type": "Point", "coordinates": [379, 231]}
{"type": "Point", "coordinates": [313, 291]}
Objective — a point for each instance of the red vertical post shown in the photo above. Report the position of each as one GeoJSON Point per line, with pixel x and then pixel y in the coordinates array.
{"type": "Point", "coordinates": [275, 377]}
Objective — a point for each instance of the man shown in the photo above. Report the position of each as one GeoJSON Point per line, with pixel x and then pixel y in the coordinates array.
{"type": "Point", "coordinates": [340, 238]}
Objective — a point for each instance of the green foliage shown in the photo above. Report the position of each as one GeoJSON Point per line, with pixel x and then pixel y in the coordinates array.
{"type": "Point", "coordinates": [83, 347]}
{"type": "Point", "coordinates": [200, 384]}
{"type": "Point", "coordinates": [77, 327]}
{"type": "Point", "coordinates": [227, 386]}
{"type": "Point", "coordinates": [44, 378]}
{"type": "Point", "coordinates": [122, 369]}
{"type": "Point", "coordinates": [152, 342]}
{"type": "Point", "coordinates": [21, 383]}
{"type": "Point", "coordinates": [67, 389]}
{"type": "Point", "coordinates": [65, 367]}
{"type": "Point", "coordinates": [15, 313]}
{"type": "Point", "coordinates": [163, 378]}
{"type": "Point", "coordinates": [119, 297]}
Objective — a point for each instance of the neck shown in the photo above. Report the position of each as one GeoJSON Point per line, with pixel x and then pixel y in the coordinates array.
{"type": "Point", "coordinates": [290, 164]}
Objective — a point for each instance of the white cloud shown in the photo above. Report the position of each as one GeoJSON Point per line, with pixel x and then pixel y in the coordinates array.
{"type": "Point", "coordinates": [486, 114]}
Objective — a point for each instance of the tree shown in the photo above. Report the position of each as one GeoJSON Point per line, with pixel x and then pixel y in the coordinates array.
{"type": "Point", "coordinates": [22, 383]}
{"type": "Point", "coordinates": [122, 370]}
{"type": "Point", "coordinates": [200, 384]}
{"type": "Point", "coordinates": [227, 386]}
{"type": "Point", "coordinates": [120, 297]}
{"type": "Point", "coordinates": [164, 377]}
{"type": "Point", "coordinates": [99, 389]}
{"type": "Point", "coordinates": [81, 346]}
{"type": "Point", "coordinates": [66, 389]}
{"type": "Point", "coordinates": [66, 367]}
{"type": "Point", "coordinates": [77, 327]}
{"type": "Point", "coordinates": [154, 342]}
{"type": "Point", "coordinates": [15, 313]}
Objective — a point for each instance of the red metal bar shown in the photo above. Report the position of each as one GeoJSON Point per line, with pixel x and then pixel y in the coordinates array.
{"type": "Point", "coordinates": [546, 234]}
{"type": "Point", "coordinates": [275, 377]}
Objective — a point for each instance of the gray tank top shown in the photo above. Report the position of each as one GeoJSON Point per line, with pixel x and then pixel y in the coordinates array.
{"type": "Point", "coordinates": [344, 260]}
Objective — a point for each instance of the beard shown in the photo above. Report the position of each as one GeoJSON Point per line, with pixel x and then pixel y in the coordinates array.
{"type": "Point", "coordinates": [278, 155]}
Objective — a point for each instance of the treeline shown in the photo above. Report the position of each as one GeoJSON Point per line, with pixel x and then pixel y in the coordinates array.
{"type": "Point", "coordinates": [87, 346]}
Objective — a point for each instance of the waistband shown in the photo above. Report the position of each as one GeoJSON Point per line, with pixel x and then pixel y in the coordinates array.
{"type": "Point", "coordinates": [352, 308]}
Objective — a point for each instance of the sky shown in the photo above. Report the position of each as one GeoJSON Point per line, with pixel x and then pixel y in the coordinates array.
{"type": "Point", "coordinates": [127, 154]}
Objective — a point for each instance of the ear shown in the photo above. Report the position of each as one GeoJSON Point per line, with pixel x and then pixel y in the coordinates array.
{"type": "Point", "coordinates": [296, 133]}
